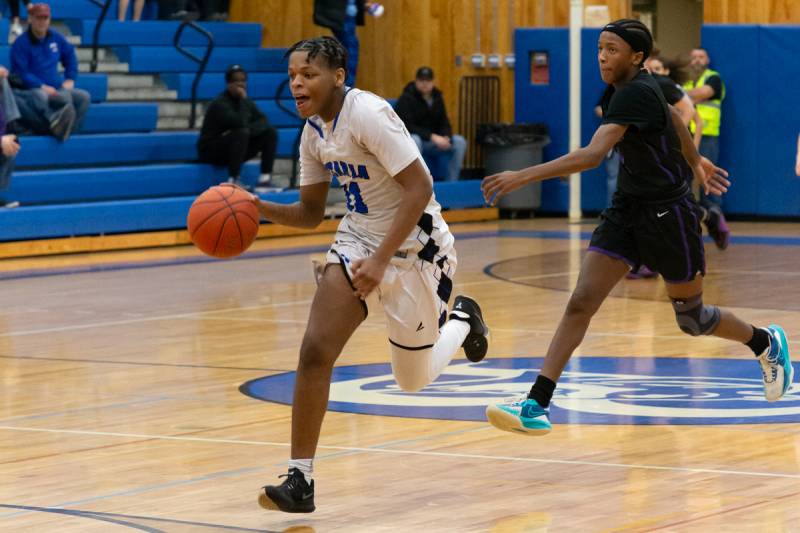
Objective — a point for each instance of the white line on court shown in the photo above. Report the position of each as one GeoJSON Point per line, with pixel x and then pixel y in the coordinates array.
{"type": "Point", "coordinates": [147, 319]}
{"type": "Point", "coordinates": [391, 451]}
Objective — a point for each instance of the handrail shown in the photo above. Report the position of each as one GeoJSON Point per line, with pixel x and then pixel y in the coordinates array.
{"type": "Point", "coordinates": [202, 61]}
{"type": "Point", "coordinates": [296, 144]}
{"type": "Point", "coordinates": [104, 6]}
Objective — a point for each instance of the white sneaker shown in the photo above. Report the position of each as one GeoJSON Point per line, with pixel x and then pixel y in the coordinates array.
{"type": "Point", "coordinates": [776, 366]}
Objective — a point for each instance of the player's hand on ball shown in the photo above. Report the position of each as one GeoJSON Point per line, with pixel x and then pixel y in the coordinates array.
{"type": "Point", "coordinates": [254, 198]}
{"type": "Point", "coordinates": [498, 185]}
{"type": "Point", "coordinates": [713, 178]}
{"type": "Point", "coordinates": [367, 275]}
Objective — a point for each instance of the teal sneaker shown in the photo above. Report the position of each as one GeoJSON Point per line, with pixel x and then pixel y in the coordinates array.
{"type": "Point", "coordinates": [519, 415]}
{"type": "Point", "coordinates": [776, 366]}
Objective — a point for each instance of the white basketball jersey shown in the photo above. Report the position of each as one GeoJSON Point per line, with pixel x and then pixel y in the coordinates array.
{"type": "Point", "coordinates": [364, 147]}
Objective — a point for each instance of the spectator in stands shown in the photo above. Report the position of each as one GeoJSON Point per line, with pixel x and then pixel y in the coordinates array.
{"type": "Point", "coordinates": [35, 56]}
{"type": "Point", "coordinates": [421, 107]}
{"type": "Point", "coordinates": [9, 147]}
{"type": "Point", "coordinates": [235, 130]}
{"type": "Point", "coordinates": [138, 6]}
{"type": "Point", "coordinates": [8, 103]}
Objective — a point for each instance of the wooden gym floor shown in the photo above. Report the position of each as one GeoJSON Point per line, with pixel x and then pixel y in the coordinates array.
{"type": "Point", "coordinates": [122, 410]}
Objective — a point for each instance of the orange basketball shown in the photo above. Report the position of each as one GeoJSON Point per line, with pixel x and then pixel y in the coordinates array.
{"type": "Point", "coordinates": [223, 221]}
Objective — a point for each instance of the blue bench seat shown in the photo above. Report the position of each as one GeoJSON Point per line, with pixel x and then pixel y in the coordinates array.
{"type": "Point", "coordinates": [161, 33]}
{"type": "Point", "coordinates": [119, 118]}
{"type": "Point", "coordinates": [260, 85]}
{"type": "Point", "coordinates": [161, 59]}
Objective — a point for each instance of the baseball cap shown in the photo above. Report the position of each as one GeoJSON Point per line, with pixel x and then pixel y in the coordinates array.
{"type": "Point", "coordinates": [233, 69]}
{"type": "Point", "coordinates": [39, 10]}
{"type": "Point", "coordinates": [424, 73]}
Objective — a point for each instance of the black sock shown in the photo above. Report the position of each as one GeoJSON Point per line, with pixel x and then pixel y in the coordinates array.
{"type": "Point", "coordinates": [542, 390]}
{"type": "Point", "coordinates": [759, 342]}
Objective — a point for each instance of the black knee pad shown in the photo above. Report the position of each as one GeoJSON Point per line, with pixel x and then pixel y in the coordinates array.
{"type": "Point", "coordinates": [694, 318]}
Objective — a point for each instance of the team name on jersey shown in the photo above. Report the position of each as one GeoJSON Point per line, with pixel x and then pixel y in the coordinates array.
{"type": "Point", "coordinates": [343, 168]}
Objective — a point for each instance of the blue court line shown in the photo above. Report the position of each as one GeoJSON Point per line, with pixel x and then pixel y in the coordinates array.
{"type": "Point", "coordinates": [149, 488]}
{"type": "Point", "coordinates": [285, 252]}
{"type": "Point", "coordinates": [116, 519]}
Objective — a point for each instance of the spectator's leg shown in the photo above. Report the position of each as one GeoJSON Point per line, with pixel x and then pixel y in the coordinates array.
{"type": "Point", "coordinates": [612, 173]}
{"type": "Point", "coordinates": [709, 148]}
{"type": "Point", "coordinates": [32, 118]}
{"type": "Point", "coordinates": [80, 100]}
{"type": "Point", "coordinates": [47, 105]}
{"type": "Point", "coordinates": [14, 7]}
{"type": "Point", "coordinates": [229, 150]}
{"type": "Point", "coordinates": [349, 40]}
{"type": "Point", "coordinates": [9, 103]}
{"type": "Point", "coordinates": [6, 167]}
{"type": "Point", "coordinates": [266, 143]}
{"type": "Point", "coordinates": [459, 150]}
{"type": "Point", "coordinates": [418, 141]}
{"type": "Point", "coordinates": [138, 7]}
{"type": "Point", "coordinates": [122, 11]}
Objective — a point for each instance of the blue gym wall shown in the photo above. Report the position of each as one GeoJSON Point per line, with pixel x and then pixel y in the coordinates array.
{"type": "Point", "coordinates": [760, 120]}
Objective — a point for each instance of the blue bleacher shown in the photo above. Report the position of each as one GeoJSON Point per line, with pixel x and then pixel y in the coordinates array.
{"type": "Point", "coordinates": [35, 187]}
{"type": "Point", "coordinates": [260, 85]}
{"type": "Point", "coordinates": [105, 149]}
{"type": "Point", "coordinates": [277, 116]}
{"type": "Point", "coordinates": [118, 175]}
{"type": "Point", "coordinates": [161, 33]}
{"type": "Point", "coordinates": [161, 59]}
{"type": "Point", "coordinates": [118, 118]}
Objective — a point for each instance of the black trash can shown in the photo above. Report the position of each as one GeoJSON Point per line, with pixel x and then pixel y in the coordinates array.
{"type": "Point", "coordinates": [514, 147]}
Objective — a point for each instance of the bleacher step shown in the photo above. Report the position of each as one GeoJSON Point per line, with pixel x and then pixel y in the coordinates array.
{"type": "Point", "coordinates": [85, 54]}
{"type": "Point", "coordinates": [104, 66]}
{"type": "Point", "coordinates": [133, 81]}
{"type": "Point", "coordinates": [140, 94]}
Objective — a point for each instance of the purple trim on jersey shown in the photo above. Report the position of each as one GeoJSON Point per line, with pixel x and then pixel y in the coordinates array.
{"type": "Point", "coordinates": [699, 236]}
{"type": "Point", "coordinates": [319, 130]}
{"type": "Point", "coordinates": [612, 255]}
{"type": "Point", "coordinates": [689, 272]}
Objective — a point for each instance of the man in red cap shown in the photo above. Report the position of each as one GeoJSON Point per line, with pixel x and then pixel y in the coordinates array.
{"type": "Point", "coordinates": [35, 57]}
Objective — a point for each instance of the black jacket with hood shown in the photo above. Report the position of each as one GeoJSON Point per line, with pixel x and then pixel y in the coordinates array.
{"type": "Point", "coordinates": [421, 119]}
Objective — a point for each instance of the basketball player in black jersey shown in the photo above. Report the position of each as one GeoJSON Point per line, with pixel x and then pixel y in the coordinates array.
{"type": "Point", "coordinates": [653, 220]}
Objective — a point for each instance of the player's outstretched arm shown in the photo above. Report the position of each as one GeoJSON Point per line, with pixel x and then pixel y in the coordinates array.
{"type": "Point", "coordinates": [307, 213]}
{"type": "Point", "coordinates": [496, 186]}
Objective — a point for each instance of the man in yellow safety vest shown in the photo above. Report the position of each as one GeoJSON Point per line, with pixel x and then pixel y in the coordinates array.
{"type": "Point", "coordinates": [707, 91]}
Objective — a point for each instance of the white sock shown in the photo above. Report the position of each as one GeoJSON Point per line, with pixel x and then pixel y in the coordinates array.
{"type": "Point", "coordinates": [265, 178]}
{"type": "Point", "coordinates": [306, 466]}
{"type": "Point", "coordinates": [451, 337]}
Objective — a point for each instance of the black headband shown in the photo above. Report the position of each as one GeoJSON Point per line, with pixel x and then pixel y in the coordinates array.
{"type": "Point", "coordinates": [638, 42]}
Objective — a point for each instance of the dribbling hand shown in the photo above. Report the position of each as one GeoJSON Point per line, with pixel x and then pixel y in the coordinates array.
{"type": "Point", "coordinates": [255, 199]}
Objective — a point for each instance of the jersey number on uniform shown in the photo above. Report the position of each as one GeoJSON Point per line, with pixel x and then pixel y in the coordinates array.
{"type": "Point", "coordinates": [355, 202]}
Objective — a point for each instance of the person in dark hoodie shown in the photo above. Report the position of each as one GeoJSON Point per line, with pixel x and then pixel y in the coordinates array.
{"type": "Point", "coordinates": [235, 130]}
{"type": "Point", "coordinates": [9, 147]}
{"type": "Point", "coordinates": [421, 107]}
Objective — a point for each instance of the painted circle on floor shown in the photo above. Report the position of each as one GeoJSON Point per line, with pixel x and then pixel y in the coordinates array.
{"type": "Point", "coordinates": [592, 390]}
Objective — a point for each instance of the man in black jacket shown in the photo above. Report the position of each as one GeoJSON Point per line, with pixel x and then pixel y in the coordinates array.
{"type": "Point", "coordinates": [235, 130]}
{"type": "Point", "coordinates": [421, 107]}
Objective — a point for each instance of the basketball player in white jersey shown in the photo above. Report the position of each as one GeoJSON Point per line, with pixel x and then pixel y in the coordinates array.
{"type": "Point", "coordinates": [392, 249]}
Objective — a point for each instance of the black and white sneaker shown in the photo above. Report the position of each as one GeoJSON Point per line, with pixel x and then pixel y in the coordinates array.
{"type": "Point", "coordinates": [477, 341]}
{"type": "Point", "coordinates": [294, 495]}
